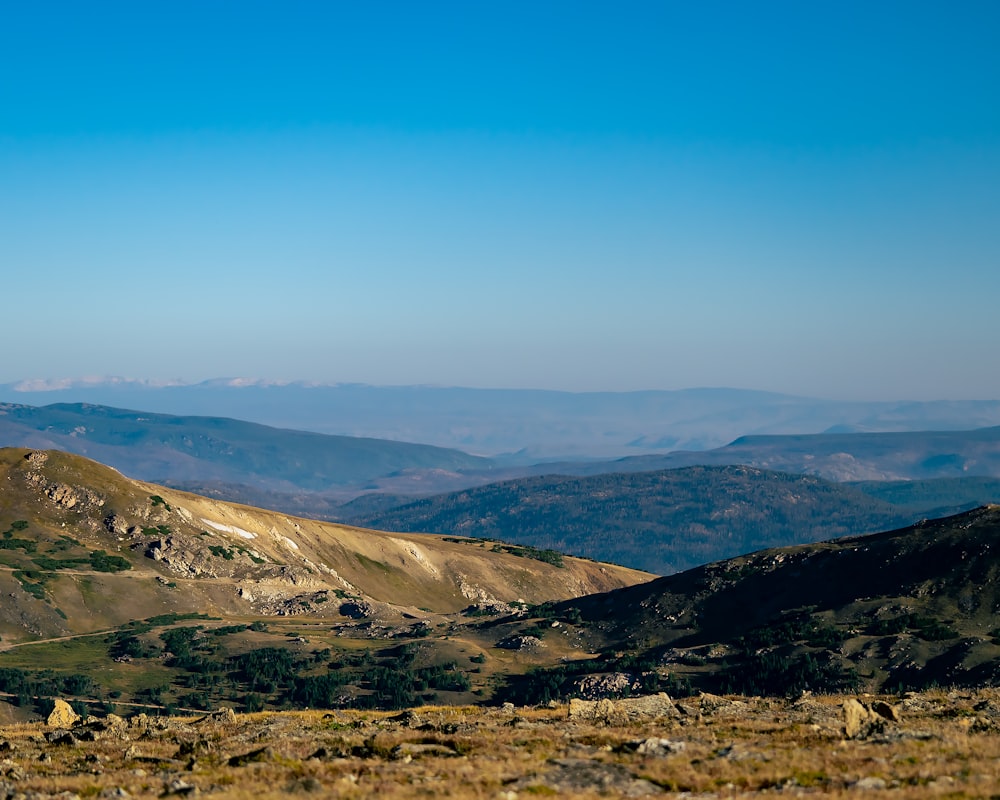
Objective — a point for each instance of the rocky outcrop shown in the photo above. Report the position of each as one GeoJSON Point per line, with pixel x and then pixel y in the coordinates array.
{"type": "Point", "coordinates": [598, 687]}
{"type": "Point", "coordinates": [118, 526]}
{"type": "Point", "coordinates": [862, 720]}
{"type": "Point", "coordinates": [62, 715]}
{"type": "Point", "coordinates": [67, 496]}
{"type": "Point", "coordinates": [519, 642]}
{"type": "Point", "coordinates": [623, 712]}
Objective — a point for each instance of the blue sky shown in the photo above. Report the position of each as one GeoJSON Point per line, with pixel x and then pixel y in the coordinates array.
{"type": "Point", "coordinates": [799, 197]}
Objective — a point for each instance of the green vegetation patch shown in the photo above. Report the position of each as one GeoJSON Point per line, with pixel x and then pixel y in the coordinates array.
{"type": "Point", "coordinates": [926, 628]}
{"type": "Point", "coordinates": [53, 564]}
{"type": "Point", "coordinates": [543, 684]}
{"type": "Point", "coordinates": [553, 557]}
{"type": "Point", "coordinates": [807, 630]}
{"type": "Point", "coordinates": [9, 542]}
{"type": "Point", "coordinates": [221, 552]}
{"type": "Point", "coordinates": [100, 561]}
{"type": "Point", "coordinates": [778, 674]}
{"type": "Point", "coordinates": [33, 582]}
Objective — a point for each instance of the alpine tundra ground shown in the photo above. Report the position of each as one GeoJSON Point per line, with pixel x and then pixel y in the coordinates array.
{"type": "Point", "coordinates": [929, 744]}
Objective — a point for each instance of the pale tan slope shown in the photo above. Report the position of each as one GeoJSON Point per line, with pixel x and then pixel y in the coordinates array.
{"type": "Point", "coordinates": [404, 569]}
{"type": "Point", "coordinates": [194, 553]}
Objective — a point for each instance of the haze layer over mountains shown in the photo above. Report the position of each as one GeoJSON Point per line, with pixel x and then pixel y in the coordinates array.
{"type": "Point", "coordinates": [519, 425]}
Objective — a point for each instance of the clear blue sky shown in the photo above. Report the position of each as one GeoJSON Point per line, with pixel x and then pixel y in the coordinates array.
{"type": "Point", "coordinates": [795, 196]}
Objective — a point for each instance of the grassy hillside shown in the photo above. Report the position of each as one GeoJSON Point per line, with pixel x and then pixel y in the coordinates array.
{"type": "Point", "coordinates": [119, 586]}
{"type": "Point", "coordinates": [124, 596]}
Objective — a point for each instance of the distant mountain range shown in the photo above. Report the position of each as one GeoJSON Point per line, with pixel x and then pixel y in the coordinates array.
{"type": "Point", "coordinates": [210, 449]}
{"type": "Point", "coordinates": [159, 446]}
{"type": "Point", "coordinates": [905, 455]}
{"type": "Point", "coordinates": [627, 511]}
{"type": "Point", "coordinates": [522, 426]}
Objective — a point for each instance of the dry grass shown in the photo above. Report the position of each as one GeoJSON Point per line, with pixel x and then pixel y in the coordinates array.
{"type": "Point", "coordinates": [945, 745]}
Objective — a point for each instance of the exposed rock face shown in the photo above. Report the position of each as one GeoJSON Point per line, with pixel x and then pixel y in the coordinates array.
{"type": "Point", "coordinates": [617, 684]}
{"type": "Point", "coordinates": [491, 609]}
{"type": "Point", "coordinates": [621, 712]}
{"type": "Point", "coordinates": [37, 458]}
{"type": "Point", "coordinates": [521, 643]}
{"type": "Point", "coordinates": [63, 715]}
{"type": "Point", "coordinates": [179, 559]}
{"type": "Point", "coordinates": [117, 525]}
{"type": "Point", "coordinates": [862, 719]}
{"type": "Point", "coordinates": [655, 746]}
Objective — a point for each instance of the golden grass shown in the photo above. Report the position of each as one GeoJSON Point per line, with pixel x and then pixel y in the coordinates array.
{"type": "Point", "coordinates": [945, 745]}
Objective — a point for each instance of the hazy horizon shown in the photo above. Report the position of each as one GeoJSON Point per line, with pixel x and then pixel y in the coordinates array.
{"type": "Point", "coordinates": [83, 383]}
{"type": "Point", "coordinates": [786, 197]}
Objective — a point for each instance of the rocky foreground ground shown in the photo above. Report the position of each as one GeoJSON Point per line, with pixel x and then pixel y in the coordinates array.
{"type": "Point", "coordinates": [934, 744]}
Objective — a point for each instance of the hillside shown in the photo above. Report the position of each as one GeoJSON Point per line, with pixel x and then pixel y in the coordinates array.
{"type": "Point", "coordinates": [165, 448]}
{"type": "Point", "coordinates": [137, 597]}
{"type": "Point", "coordinates": [661, 522]}
{"type": "Point", "coordinates": [79, 536]}
{"type": "Point", "coordinates": [904, 609]}
{"type": "Point", "coordinates": [950, 471]}
{"type": "Point", "coordinates": [937, 497]}
{"type": "Point", "coordinates": [848, 456]}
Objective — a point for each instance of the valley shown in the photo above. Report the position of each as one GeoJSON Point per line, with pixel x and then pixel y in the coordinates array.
{"type": "Point", "coordinates": [134, 593]}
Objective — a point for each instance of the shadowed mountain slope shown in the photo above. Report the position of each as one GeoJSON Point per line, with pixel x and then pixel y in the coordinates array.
{"type": "Point", "coordinates": [901, 609]}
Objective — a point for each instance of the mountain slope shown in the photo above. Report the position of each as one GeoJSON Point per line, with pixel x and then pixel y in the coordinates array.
{"type": "Point", "coordinates": [83, 548]}
{"type": "Point", "coordinates": [908, 608]}
{"type": "Point", "coordinates": [661, 522]}
{"type": "Point", "coordinates": [911, 455]}
{"type": "Point", "coordinates": [167, 448]}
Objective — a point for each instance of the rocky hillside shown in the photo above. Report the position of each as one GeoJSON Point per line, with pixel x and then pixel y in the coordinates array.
{"type": "Point", "coordinates": [135, 596]}
{"type": "Point", "coordinates": [83, 548]}
{"type": "Point", "coordinates": [903, 609]}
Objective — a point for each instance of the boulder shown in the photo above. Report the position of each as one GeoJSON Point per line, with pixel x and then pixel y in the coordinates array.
{"type": "Point", "coordinates": [63, 715]}
{"type": "Point", "coordinates": [655, 746]}
{"type": "Point", "coordinates": [862, 720]}
{"type": "Point", "coordinates": [620, 712]}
